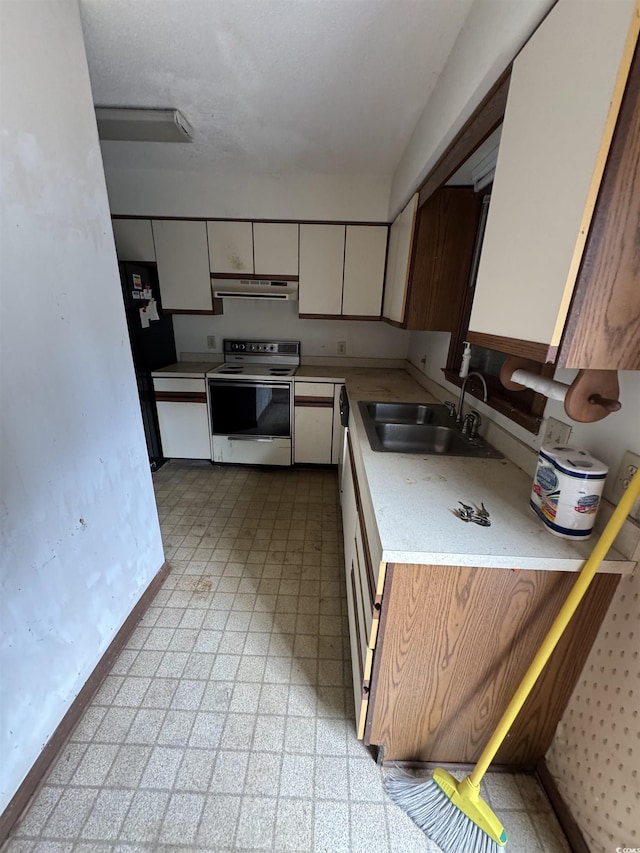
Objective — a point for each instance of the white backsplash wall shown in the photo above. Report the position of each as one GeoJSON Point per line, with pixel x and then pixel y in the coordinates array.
{"type": "Point", "coordinates": [79, 533]}
{"type": "Point", "coordinates": [595, 755]}
{"type": "Point", "coordinates": [279, 321]}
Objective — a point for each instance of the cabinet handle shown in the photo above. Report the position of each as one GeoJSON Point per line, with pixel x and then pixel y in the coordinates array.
{"type": "Point", "coordinates": [249, 438]}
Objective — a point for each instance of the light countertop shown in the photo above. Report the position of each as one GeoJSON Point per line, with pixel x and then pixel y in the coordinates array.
{"type": "Point", "coordinates": [413, 498]}
{"type": "Point", "coordinates": [186, 369]}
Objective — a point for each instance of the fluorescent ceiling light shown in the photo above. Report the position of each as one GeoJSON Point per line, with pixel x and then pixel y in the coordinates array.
{"type": "Point", "coordinates": [140, 125]}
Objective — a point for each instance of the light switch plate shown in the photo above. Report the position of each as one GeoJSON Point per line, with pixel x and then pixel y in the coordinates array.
{"type": "Point", "coordinates": [628, 467]}
{"type": "Point", "coordinates": [342, 348]}
{"type": "Point", "coordinates": [557, 433]}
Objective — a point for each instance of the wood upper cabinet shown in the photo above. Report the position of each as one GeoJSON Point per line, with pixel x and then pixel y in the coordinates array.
{"type": "Point", "coordinates": [134, 240]}
{"type": "Point", "coordinates": [364, 257]}
{"type": "Point", "coordinates": [321, 269]}
{"type": "Point", "coordinates": [275, 248]}
{"type": "Point", "coordinates": [564, 100]}
{"type": "Point", "coordinates": [398, 260]}
{"type": "Point", "coordinates": [429, 260]}
{"type": "Point", "coordinates": [183, 265]}
{"type": "Point", "coordinates": [445, 234]}
{"type": "Point", "coordinates": [230, 247]}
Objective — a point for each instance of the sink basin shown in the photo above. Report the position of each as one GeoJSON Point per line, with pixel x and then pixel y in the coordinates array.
{"type": "Point", "coordinates": [425, 428]}
{"type": "Point", "coordinates": [400, 413]}
{"type": "Point", "coordinates": [417, 438]}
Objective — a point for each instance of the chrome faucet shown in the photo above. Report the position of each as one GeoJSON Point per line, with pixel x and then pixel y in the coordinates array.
{"type": "Point", "coordinates": [460, 416]}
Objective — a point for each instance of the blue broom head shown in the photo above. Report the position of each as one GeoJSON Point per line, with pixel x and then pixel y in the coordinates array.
{"type": "Point", "coordinates": [437, 816]}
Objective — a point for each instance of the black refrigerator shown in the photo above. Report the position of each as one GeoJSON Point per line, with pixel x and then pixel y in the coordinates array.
{"type": "Point", "coordinates": [152, 343]}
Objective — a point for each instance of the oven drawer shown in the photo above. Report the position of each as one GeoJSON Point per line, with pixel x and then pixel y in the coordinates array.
{"type": "Point", "coordinates": [243, 450]}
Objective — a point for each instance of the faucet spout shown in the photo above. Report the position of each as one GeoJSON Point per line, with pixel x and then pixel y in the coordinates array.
{"type": "Point", "coordinates": [460, 416]}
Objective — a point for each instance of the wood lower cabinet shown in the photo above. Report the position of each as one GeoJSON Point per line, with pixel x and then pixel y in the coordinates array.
{"type": "Point", "coordinates": [453, 645]}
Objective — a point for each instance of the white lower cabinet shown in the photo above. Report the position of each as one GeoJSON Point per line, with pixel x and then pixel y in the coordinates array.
{"type": "Point", "coordinates": [313, 422]}
{"type": "Point", "coordinates": [183, 418]}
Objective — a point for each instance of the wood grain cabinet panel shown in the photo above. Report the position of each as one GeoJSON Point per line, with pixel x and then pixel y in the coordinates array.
{"type": "Point", "coordinates": [453, 645]}
{"type": "Point", "coordinates": [443, 248]}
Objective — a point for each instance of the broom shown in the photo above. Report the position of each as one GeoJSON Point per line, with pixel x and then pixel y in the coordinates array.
{"type": "Point", "coordinates": [452, 813]}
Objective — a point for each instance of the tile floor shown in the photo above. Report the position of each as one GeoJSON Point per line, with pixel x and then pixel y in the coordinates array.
{"type": "Point", "coordinates": [226, 722]}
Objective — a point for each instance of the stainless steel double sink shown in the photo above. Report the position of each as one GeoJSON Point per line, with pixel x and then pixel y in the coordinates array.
{"type": "Point", "coordinates": [419, 428]}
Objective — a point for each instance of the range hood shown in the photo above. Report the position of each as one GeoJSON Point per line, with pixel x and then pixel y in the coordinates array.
{"type": "Point", "coordinates": [266, 289]}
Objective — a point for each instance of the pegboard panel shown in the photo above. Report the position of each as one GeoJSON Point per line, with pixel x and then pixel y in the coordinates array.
{"type": "Point", "coordinates": [595, 755]}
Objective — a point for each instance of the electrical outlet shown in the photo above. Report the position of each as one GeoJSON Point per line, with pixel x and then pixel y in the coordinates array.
{"type": "Point", "coordinates": [557, 433]}
{"type": "Point", "coordinates": [211, 341]}
{"type": "Point", "coordinates": [342, 348]}
{"type": "Point", "coordinates": [628, 467]}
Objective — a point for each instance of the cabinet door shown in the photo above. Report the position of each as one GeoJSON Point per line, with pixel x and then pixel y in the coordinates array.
{"type": "Point", "coordinates": [184, 430]}
{"type": "Point", "coordinates": [313, 422]}
{"type": "Point", "coordinates": [134, 240]}
{"type": "Point", "coordinates": [365, 251]}
{"type": "Point", "coordinates": [183, 265]}
{"type": "Point", "coordinates": [562, 104]}
{"type": "Point", "coordinates": [230, 247]}
{"type": "Point", "coordinates": [321, 268]}
{"type": "Point", "coordinates": [275, 248]}
{"type": "Point", "coordinates": [397, 276]}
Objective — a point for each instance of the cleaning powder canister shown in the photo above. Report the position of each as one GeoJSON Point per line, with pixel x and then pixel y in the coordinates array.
{"type": "Point", "coordinates": [566, 491]}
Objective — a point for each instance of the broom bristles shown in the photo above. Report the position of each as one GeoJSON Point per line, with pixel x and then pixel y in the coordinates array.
{"type": "Point", "coordinates": [440, 819]}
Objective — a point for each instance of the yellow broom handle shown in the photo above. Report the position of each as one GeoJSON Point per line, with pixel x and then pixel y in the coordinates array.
{"type": "Point", "coordinates": [555, 632]}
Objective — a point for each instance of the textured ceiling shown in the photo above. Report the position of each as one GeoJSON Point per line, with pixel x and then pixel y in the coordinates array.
{"type": "Point", "coordinates": [272, 86]}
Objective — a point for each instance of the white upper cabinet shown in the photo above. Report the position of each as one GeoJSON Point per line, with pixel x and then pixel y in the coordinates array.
{"type": "Point", "coordinates": [230, 247]}
{"type": "Point", "coordinates": [365, 252]}
{"type": "Point", "coordinates": [321, 269]}
{"type": "Point", "coordinates": [275, 248]}
{"type": "Point", "coordinates": [564, 96]}
{"type": "Point", "coordinates": [134, 240]}
{"type": "Point", "coordinates": [398, 262]}
{"type": "Point", "coordinates": [183, 265]}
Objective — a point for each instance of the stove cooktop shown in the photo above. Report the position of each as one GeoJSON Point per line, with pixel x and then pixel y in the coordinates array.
{"type": "Point", "coordinates": [259, 358]}
{"type": "Point", "coordinates": [251, 369]}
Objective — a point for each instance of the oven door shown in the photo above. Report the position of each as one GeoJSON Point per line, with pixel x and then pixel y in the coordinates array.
{"type": "Point", "coordinates": [250, 421]}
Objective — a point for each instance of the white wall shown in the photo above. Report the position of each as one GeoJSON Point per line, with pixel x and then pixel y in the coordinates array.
{"type": "Point", "coordinates": [79, 532]}
{"type": "Point", "coordinates": [248, 196]}
{"type": "Point", "coordinates": [280, 321]}
{"type": "Point", "coordinates": [492, 35]}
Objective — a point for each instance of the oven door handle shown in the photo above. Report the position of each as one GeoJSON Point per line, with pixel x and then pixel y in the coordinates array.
{"type": "Point", "coordinates": [248, 438]}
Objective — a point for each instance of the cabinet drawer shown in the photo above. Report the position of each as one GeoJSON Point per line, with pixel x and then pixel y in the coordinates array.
{"type": "Point", "coordinates": [180, 386]}
{"type": "Point", "coordinates": [314, 393]}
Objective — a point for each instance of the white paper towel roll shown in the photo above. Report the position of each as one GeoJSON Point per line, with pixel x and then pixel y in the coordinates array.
{"type": "Point", "coordinates": [549, 387]}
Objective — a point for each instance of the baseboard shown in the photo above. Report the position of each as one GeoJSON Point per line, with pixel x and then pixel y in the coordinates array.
{"type": "Point", "coordinates": [565, 818]}
{"type": "Point", "coordinates": [58, 739]}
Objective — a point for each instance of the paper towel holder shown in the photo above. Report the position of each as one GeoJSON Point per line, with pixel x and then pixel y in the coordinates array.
{"type": "Point", "coordinates": [591, 396]}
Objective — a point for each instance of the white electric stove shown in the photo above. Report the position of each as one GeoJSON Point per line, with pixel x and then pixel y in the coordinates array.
{"type": "Point", "coordinates": [250, 400]}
